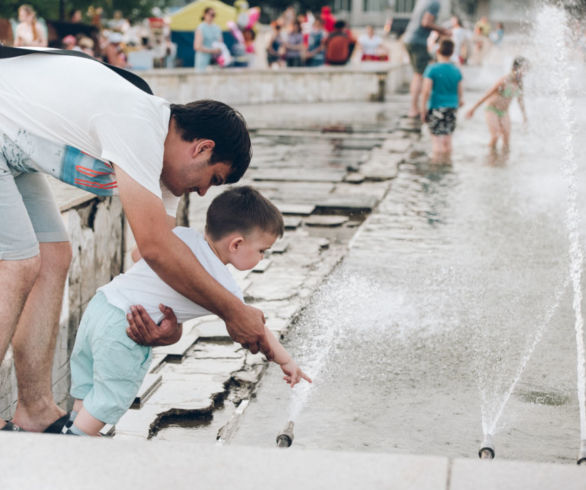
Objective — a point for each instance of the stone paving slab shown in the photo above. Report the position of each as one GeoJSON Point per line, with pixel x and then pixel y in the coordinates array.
{"type": "Point", "coordinates": [295, 175]}
{"type": "Point", "coordinates": [103, 464]}
{"type": "Point", "coordinates": [178, 349]}
{"type": "Point", "coordinates": [325, 220]}
{"type": "Point", "coordinates": [299, 209]}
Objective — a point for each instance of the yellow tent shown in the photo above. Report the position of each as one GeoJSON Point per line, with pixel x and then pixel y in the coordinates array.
{"type": "Point", "coordinates": [189, 17]}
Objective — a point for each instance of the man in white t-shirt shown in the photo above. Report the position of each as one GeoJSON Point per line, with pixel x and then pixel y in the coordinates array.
{"type": "Point", "coordinates": [81, 122]}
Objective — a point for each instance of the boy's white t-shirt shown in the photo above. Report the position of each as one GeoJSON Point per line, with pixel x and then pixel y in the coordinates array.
{"type": "Point", "coordinates": [140, 285]}
{"type": "Point", "coordinates": [72, 117]}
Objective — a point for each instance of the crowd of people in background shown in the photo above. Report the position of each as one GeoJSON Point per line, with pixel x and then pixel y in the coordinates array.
{"type": "Point", "coordinates": [295, 40]}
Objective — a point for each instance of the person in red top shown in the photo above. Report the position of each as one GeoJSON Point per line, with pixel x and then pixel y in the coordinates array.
{"type": "Point", "coordinates": [327, 18]}
{"type": "Point", "coordinates": [339, 45]}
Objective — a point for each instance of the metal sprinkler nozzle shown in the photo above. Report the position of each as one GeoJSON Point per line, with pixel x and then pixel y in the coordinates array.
{"type": "Point", "coordinates": [582, 456]}
{"type": "Point", "coordinates": [486, 450]}
{"type": "Point", "coordinates": [285, 438]}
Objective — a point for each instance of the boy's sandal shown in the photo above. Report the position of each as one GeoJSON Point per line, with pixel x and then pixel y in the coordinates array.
{"type": "Point", "coordinates": [12, 427]}
{"type": "Point", "coordinates": [57, 426]}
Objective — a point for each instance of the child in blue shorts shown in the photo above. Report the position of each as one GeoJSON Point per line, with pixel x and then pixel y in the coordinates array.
{"type": "Point", "coordinates": [442, 95]}
{"type": "Point", "coordinates": [107, 367]}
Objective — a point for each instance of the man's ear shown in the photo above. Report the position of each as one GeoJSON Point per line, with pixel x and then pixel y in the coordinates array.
{"type": "Point", "coordinates": [203, 145]}
{"type": "Point", "coordinates": [235, 243]}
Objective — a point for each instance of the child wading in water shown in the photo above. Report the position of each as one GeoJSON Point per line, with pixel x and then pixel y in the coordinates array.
{"type": "Point", "coordinates": [499, 99]}
{"type": "Point", "coordinates": [107, 367]}
{"type": "Point", "coordinates": [442, 87]}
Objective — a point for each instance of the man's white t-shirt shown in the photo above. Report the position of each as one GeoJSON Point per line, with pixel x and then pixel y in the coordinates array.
{"type": "Point", "coordinates": [73, 117]}
{"type": "Point", "coordinates": [140, 285]}
{"type": "Point", "coordinates": [370, 45]}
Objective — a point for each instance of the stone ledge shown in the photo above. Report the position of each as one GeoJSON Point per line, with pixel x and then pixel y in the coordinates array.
{"type": "Point", "coordinates": [32, 461]}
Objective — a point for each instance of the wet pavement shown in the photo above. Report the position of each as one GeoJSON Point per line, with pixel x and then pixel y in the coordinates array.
{"type": "Point", "coordinates": [424, 325]}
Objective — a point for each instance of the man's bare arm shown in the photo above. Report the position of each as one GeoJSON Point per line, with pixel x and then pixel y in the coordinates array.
{"type": "Point", "coordinates": [428, 21]}
{"type": "Point", "coordinates": [175, 264]}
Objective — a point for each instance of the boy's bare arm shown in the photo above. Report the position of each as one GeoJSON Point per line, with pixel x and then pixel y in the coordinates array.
{"type": "Point", "coordinates": [425, 93]}
{"type": "Point", "coordinates": [175, 264]}
{"type": "Point", "coordinates": [293, 374]}
{"type": "Point", "coordinates": [460, 94]}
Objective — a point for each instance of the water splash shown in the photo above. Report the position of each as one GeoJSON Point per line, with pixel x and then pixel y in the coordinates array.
{"type": "Point", "coordinates": [489, 421]}
{"type": "Point", "coordinates": [553, 38]}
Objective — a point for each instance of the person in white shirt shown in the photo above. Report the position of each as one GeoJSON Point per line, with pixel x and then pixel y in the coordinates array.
{"type": "Point", "coordinates": [107, 367]}
{"type": "Point", "coordinates": [91, 128]}
{"type": "Point", "coordinates": [372, 46]}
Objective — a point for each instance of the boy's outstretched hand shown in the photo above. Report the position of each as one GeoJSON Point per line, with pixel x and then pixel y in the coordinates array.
{"type": "Point", "coordinates": [470, 114]}
{"type": "Point", "coordinates": [293, 373]}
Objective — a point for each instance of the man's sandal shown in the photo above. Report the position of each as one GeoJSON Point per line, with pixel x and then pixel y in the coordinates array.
{"type": "Point", "coordinates": [12, 427]}
{"type": "Point", "coordinates": [58, 426]}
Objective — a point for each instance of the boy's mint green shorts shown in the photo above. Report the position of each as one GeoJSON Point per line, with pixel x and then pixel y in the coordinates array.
{"type": "Point", "coordinates": [107, 367]}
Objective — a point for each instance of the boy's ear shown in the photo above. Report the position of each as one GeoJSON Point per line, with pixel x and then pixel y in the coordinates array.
{"type": "Point", "coordinates": [235, 243]}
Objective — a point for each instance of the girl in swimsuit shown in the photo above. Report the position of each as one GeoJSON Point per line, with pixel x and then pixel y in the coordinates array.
{"type": "Point", "coordinates": [499, 99]}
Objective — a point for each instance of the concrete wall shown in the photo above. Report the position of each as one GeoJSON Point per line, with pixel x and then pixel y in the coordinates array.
{"type": "Point", "coordinates": [95, 227]}
{"type": "Point", "coordinates": [372, 81]}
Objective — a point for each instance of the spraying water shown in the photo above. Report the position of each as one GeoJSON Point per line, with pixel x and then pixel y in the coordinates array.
{"type": "Point", "coordinates": [553, 37]}
{"type": "Point", "coordinates": [490, 421]}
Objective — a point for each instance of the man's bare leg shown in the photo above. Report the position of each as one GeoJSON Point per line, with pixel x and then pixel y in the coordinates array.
{"type": "Point", "coordinates": [17, 278]}
{"type": "Point", "coordinates": [35, 338]}
{"type": "Point", "coordinates": [415, 91]}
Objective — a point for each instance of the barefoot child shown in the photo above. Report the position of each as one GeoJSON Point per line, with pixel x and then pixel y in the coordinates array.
{"type": "Point", "coordinates": [107, 367]}
{"type": "Point", "coordinates": [499, 99]}
{"type": "Point", "coordinates": [441, 97]}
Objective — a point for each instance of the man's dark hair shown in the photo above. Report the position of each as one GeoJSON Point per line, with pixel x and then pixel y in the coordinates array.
{"type": "Point", "coordinates": [210, 119]}
{"type": "Point", "coordinates": [242, 209]}
{"type": "Point", "coordinates": [340, 24]}
{"type": "Point", "coordinates": [446, 47]}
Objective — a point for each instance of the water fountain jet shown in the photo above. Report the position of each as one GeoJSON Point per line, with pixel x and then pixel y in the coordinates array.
{"type": "Point", "coordinates": [486, 450]}
{"type": "Point", "coordinates": [285, 438]}
{"type": "Point", "coordinates": [582, 456]}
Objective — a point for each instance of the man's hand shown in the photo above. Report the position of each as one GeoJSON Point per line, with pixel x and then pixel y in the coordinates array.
{"type": "Point", "coordinates": [144, 331]}
{"type": "Point", "coordinates": [248, 329]}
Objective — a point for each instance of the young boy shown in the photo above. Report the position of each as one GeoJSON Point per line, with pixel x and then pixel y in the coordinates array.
{"type": "Point", "coordinates": [443, 82]}
{"type": "Point", "coordinates": [107, 367]}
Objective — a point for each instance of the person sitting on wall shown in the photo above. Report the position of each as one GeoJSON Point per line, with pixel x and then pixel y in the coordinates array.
{"type": "Point", "coordinates": [339, 44]}
{"type": "Point", "coordinates": [372, 46]}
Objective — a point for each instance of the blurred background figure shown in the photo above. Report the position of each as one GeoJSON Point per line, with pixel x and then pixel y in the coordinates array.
{"type": "Point", "coordinates": [294, 46]}
{"type": "Point", "coordinates": [275, 54]}
{"type": "Point", "coordinates": [327, 18]}
{"type": "Point", "coordinates": [29, 32]}
{"type": "Point", "coordinates": [315, 55]}
{"type": "Point", "coordinates": [206, 34]}
{"type": "Point", "coordinates": [339, 44]}
{"type": "Point", "coordinates": [86, 44]}
{"type": "Point", "coordinates": [497, 35]}
{"type": "Point", "coordinates": [372, 47]}
{"type": "Point", "coordinates": [69, 42]}
{"type": "Point", "coordinates": [113, 53]}
{"type": "Point", "coordinates": [462, 41]}
{"type": "Point", "coordinates": [75, 16]}
{"type": "Point", "coordinates": [481, 40]}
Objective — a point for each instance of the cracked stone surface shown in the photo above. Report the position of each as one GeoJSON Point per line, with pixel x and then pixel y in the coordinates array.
{"type": "Point", "coordinates": [209, 376]}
